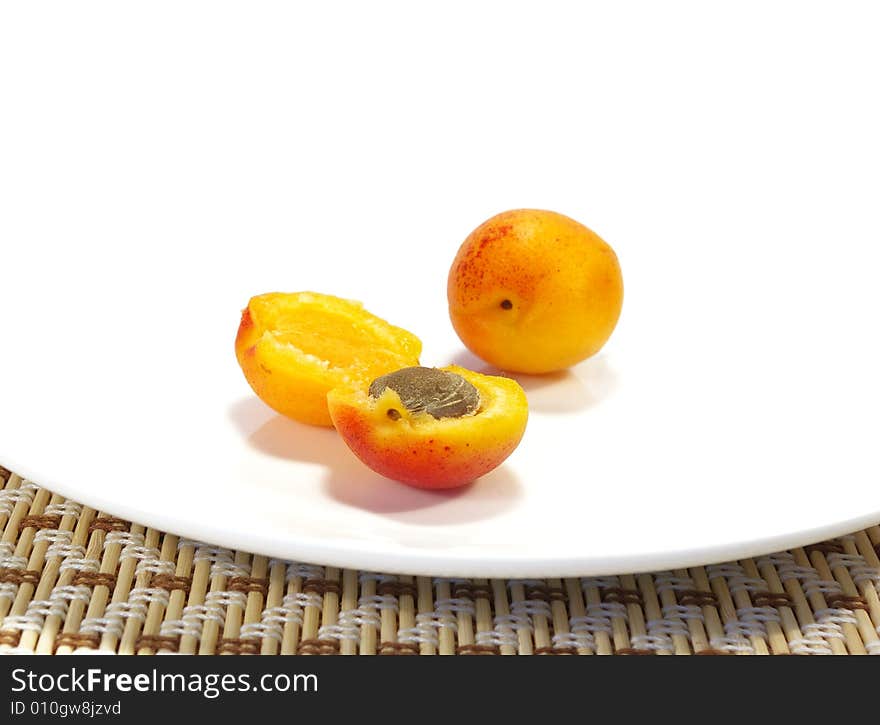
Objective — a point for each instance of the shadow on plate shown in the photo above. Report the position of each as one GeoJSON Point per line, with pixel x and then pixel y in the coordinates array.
{"type": "Point", "coordinates": [348, 481]}
{"type": "Point", "coordinates": [280, 437]}
{"type": "Point", "coordinates": [481, 500]}
{"type": "Point", "coordinates": [567, 391]}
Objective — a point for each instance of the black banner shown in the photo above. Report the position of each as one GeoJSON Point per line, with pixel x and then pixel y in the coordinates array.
{"type": "Point", "coordinates": [150, 689]}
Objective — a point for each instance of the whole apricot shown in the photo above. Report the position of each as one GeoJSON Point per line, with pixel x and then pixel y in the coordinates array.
{"type": "Point", "coordinates": [431, 428]}
{"type": "Point", "coordinates": [295, 347]}
{"type": "Point", "coordinates": [534, 291]}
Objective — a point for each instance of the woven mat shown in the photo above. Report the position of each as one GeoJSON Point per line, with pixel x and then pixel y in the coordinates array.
{"type": "Point", "coordinates": [74, 579]}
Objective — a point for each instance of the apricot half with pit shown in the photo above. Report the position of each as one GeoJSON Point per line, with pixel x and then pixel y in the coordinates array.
{"type": "Point", "coordinates": [534, 291]}
{"type": "Point", "coordinates": [295, 347]}
{"type": "Point", "coordinates": [429, 427]}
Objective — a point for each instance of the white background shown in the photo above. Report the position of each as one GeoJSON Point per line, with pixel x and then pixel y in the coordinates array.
{"type": "Point", "coordinates": [161, 162]}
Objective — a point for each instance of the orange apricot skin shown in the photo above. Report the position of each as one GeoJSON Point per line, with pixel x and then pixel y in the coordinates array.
{"type": "Point", "coordinates": [445, 454]}
{"type": "Point", "coordinates": [431, 466]}
{"type": "Point", "coordinates": [534, 291]}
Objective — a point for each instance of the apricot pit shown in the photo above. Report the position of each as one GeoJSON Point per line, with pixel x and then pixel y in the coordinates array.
{"type": "Point", "coordinates": [439, 393]}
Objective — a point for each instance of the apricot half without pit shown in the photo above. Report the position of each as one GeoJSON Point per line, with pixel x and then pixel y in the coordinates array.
{"type": "Point", "coordinates": [429, 427]}
{"type": "Point", "coordinates": [295, 347]}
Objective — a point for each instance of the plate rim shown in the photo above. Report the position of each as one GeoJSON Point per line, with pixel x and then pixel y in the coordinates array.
{"type": "Point", "coordinates": [318, 551]}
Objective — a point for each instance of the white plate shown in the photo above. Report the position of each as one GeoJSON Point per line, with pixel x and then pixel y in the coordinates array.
{"type": "Point", "coordinates": [734, 412]}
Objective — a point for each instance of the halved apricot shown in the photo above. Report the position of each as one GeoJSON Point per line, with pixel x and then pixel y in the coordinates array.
{"type": "Point", "coordinates": [295, 347]}
{"type": "Point", "coordinates": [431, 428]}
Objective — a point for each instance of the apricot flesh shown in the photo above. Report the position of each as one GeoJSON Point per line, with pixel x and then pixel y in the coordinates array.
{"type": "Point", "coordinates": [293, 348]}
{"type": "Point", "coordinates": [417, 448]}
{"type": "Point", "coordinates": [534, 291]}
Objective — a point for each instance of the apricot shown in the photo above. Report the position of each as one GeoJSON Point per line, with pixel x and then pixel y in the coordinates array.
{"type": "Point", "coordinates": [534, 291]}
{"type": "Point", "coordinates": [295, 347]}
{"type": "Point", "coordinates": [431, 428]}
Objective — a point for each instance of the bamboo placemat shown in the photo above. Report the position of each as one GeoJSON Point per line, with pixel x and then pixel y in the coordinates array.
{"type": "Point", "coordinates": [73, 579]}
